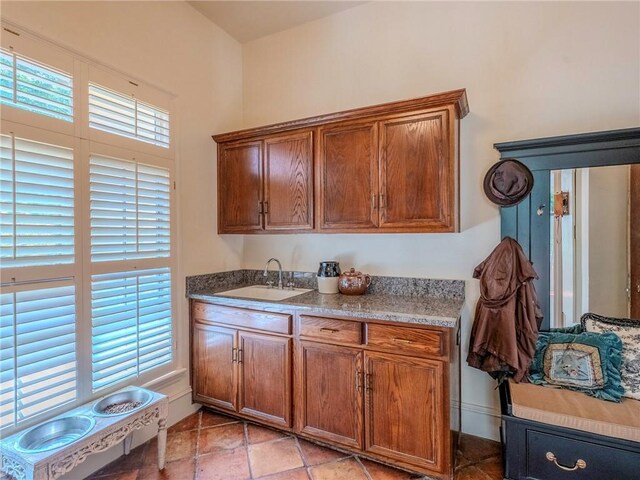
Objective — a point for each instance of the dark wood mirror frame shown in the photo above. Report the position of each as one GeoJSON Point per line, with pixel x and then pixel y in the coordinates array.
{"type": "Point", "coordinates": [522, 222]}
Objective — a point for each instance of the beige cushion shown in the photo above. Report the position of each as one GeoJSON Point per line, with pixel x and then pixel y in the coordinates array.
{"type": "Point", "coordinates": [565, 408]}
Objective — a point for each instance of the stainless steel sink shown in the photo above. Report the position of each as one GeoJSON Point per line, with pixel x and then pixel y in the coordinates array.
{"type": "Point", "coordinates": [263, 292]}
{"type": "Point", "coordinates": [135, 396]}
{"type": "Point", "coordinates": [55, 434]}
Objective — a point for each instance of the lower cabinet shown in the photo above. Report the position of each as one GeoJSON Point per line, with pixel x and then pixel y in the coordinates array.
{"type": "Point", "coordinates": [401, 418]}
{"type": "Point", "coordinates": [214, 366]}
{"type": "Point", "coordinates": [264, 380]}
{"type": "Point", "coordinates": [242, 372]}
{"type": "Point", "coordinates": [382, 390]}
{"type": "Point", "coordinates": [329, 401]}
{"type": "Point", "coordinates": [404, 408]}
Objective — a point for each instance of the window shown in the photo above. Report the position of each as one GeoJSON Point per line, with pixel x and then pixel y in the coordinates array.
{"type": "Point", "coordinates": [35, 87]}
{"type": "Point", "coordinates": [131, 327]}
{"type": "Point", "coordinates": [86, 304]}
{"type": "Point", "coordinates": [36, 203]}
{"type": "Point", "coordinates": [37, 351]}
{"type": "Point", "coordinates": [130, 309]}
{"type": "Point", "coordinates": [126, 116]}
{"type": "Point", "coordinates": [129, 210]}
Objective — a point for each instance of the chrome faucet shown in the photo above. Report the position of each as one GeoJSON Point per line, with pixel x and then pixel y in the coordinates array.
{"type": "Point", "coordinates": [266, 272]}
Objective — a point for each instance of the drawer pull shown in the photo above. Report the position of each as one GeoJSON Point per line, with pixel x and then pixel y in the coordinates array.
{"type": "Point", "coordinates": [402, 340]}
{"type": "Point", "coordinates": [579, 463]}
{"type": "Point", "coordinates": [329, 330]}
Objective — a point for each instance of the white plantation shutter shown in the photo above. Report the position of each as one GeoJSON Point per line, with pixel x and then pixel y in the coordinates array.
{"type": "Point", "coordinates": [124, 115]}
{"type": "Point", "coordinates": [37, 352]}
{"type": "Point", "coordinates": [130, 210]}
{"type": "Point", "coordinates": [36, 203]}
{"type": "Point", "coordinates": [112, 263]}
{"type": "Point", "coordinates": [131, 324]}
{"type": "Point", "coordinates": [35, 87]}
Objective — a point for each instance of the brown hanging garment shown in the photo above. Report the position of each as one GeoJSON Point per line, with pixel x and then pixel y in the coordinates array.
{"type": "Point", "coordinates": [507, 319]}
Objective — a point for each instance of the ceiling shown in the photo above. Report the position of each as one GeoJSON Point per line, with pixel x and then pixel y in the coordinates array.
{"type": "Point", "coordinates": [249, 20]}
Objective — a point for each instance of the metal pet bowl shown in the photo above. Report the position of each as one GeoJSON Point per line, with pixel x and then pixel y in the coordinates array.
{"type": "Point", "coordinates": [55, 433]}
{"type": "Point", "coordinates": [139, 396]}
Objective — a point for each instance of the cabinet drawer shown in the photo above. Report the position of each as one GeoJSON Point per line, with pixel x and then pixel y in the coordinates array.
{"type": "Point", "coordinates": [412, 340]}
{"type": "Point", "coordinates": [240, 317]}
{"type": "Point", "coordinates": [600, 461]}
{"type": "Point", "coordinates": [331, 329]}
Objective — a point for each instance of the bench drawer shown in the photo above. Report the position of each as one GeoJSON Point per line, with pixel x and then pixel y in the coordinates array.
{"type": "Point", "coordinates": [342, 331]}
{"type": "Point", "coordinates": [554, 457]}
{"type": "Point", "coordinates": [406, 339]}
{"type": "Point", "coordinates": [241, 317]}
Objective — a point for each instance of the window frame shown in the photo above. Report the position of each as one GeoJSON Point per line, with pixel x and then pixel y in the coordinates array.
{"type": "Point", "coordinates": [83, 140]}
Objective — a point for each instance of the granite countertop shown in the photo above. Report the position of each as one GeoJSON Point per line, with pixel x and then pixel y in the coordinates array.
{"type": "Point", "coordinates": [437, 308]}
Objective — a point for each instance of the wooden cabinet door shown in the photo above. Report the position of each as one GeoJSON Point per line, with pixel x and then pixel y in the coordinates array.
{"type": "Point", "coordinates": [288, 182]}
{"type": "Point", "coordinates": [214, 366]}
{"type": "Point", "coordinates": [240, 187]}
{"type": "Point", "coordinates": [329, 393]}
{"type": "Point", "coordinates": [405, 413]}
{"type": "Point", "coordinates": [417, 173]}
{"type": "Point", "coordinates": [348, 177]}
{"type": "Point", "coordinates": [265, 378]}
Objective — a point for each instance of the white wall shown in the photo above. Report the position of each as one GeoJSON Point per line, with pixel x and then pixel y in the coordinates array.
{"type": "Point", "coordinates": [530, 70]}
{"type": "Point", "coordinates": [172, 46]}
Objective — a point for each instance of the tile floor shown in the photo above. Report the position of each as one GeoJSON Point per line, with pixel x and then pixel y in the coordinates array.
{"type": "Point", "coordinates": [208, 446]}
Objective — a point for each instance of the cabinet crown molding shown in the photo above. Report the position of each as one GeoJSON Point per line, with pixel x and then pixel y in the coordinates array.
{"type": "Point", "coordinates": [458, 98]}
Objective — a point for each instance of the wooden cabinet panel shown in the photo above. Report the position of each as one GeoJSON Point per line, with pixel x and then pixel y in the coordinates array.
{"type": "Point", "coordinates": [332, 329]}
{"type": "Point", "coordinates": [239, 187]}
{"type": "Point", "coordinates": [258, 320]}
{"type": "Point", "coordinates": [214, 367]}
{"type": "Point", "coordinates": [417, 341]}
{"type": "Point", "coordinates": [405, 409]}
{"type": "Point", "coordinates": [329, 393]}
{"type": "Point", "coordinates": [416, 171]}
{"type": "Point", "coordinates": [265, 378]}
{"type": "Point", "coordinates": [288, 182]}
{"type": "Point", "coordinates": [347, 177]}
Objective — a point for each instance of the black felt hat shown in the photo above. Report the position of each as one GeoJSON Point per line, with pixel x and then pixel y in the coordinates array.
{"type": "Point", "coordinates": [508, 182]}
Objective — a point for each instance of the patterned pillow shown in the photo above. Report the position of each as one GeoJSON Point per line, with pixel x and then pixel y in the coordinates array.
{"type": "Point", "coordinates": [629, 332]}
{"type": "Point", "coordinates": [582, 361]}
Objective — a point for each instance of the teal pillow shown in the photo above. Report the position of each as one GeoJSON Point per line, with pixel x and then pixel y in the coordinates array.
{"type": "Point", "coordinates": [583, 361]}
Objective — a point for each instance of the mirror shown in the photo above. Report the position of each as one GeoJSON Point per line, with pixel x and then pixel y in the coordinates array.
{"type": "Point", "coordinates": [594, 245]}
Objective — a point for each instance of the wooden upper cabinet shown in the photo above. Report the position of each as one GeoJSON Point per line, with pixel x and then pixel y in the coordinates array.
{"type": "Point", "coordinates": [417, 173]}
{"type": "Point", "coordinates": [348, 177]}
{"type": "Point", "coordinates": [379, 169]}
{"type": "Point", "coordinates": [288, 182]}
{"type": "Point", "coordinates": [240, 187]}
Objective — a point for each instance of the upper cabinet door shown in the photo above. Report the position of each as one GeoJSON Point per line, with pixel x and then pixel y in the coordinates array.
{"type": "Point", "coordinates": [240, 187]}
{"type": "Point", "coordinates": [418, 173]}
{"type": "Point", "coordinates": [288, 182]}
{"type": "Point", "coordinates": [348, 177]}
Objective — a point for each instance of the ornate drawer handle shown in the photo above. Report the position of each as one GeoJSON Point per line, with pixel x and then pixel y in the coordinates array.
{"type": "Point", "coordinates": [402, 340]}
{"type": "Point", "coordinates": [579, 463]}
{"type": "Point", "coordinates": [330, 330]}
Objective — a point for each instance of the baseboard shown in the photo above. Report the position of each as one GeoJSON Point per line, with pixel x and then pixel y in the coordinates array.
{"type": "Point", "coordinates": [180, 406]}
{"type": "Point", "coordinates": [481, 421]}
